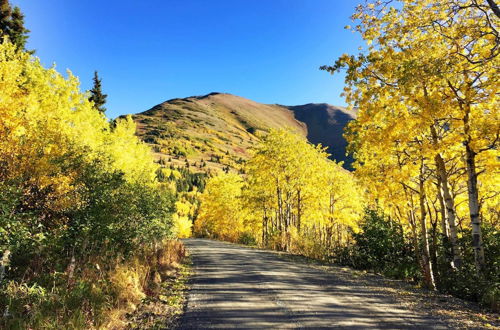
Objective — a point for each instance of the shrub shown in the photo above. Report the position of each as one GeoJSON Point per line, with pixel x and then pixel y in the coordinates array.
{"type": "Point", "coordinates": [380, 246]}
{"type": "Point", "coordinates": [247, 238]}
{"type": "Point", "coordinates": [464, 282]}
{"type": "Point", "coordinates": [97, 299]}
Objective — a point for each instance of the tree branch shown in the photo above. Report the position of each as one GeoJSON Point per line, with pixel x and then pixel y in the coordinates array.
{"type": "Point", "coordinates": [494, 7]}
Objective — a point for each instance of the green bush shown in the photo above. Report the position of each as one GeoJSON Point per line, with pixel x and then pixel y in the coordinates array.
{"type": "Point", "coordinates": [115, 219]}
{"type": "Point", "coordinates": [380, 246]}
{"type": "Point", "coordinates": [32, 306]}
{"type": "Point", "coordinates": [465, 282]}
{"type": "Point", "coordinates": [247, 238]}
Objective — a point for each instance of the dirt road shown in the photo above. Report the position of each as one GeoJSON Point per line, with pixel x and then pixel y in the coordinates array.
{"type": "Point", "coordinates": [238, 287]}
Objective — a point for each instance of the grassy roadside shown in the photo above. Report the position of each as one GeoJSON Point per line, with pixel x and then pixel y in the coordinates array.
{"type": "Point", "coordinates": [145, 292]}
{"type": "Point", "coordinates": [162, 309]}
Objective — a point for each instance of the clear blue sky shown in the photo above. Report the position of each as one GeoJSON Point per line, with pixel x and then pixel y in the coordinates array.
{"type": "Point", "coordinates": [152, 50]}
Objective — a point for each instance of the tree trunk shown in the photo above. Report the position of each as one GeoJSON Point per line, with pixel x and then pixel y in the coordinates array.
{"type": "Point", "coordinates": [434, 235]}
{"type": "Point", "coordinates": [274, 225]}
{"type": "Point", "coordinates": [288, 220]}
{"type": "Point", "coordinates": [449, 204]}
{"type": "Point", "coordinates": [265, 220]}
{"type": "Point", "coordinates": [445, 229]}
{"type": "Point", "coordinates": [280, 209]}
{"type": "Point", "coordinates": [4, 263]}
{"type": "Point", "coordinates": [70, 270]}
{"type": "Point", "coordinates": [299, 209]}
{"type": "Point", "coordinates": [414, 236]}
{"type": "Point", "coordinates": [470, 160]}
{"type": "Point", "coordinates": [477, 239]}
{"type": "Point", "coordinates": [426, 257]}
{"type": "Point", "coordinates": [449, 211]}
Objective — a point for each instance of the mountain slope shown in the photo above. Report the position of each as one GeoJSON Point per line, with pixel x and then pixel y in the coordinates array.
{"type": "Point", "coordinates": [325, 124]}
{"type": "Point", "coordinates": [216, 131]}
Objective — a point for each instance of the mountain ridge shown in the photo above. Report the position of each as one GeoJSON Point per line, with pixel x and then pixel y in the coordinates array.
{"type": "Point", "coordinates": [217, 130]}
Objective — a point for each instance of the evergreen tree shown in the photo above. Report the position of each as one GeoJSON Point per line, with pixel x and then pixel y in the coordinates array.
{"type": "Point", "coordinates": [18, 33]}
{"type": "Point", "coordinates": [12, 25]}
{"type": "Point", "coordinates": [97, 96]}
{"type": "Point", "coordinates": [5, 14]}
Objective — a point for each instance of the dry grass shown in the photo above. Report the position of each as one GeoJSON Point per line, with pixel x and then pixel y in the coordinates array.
{"type": "Point", "coordinates": [166, 296]}
{"type": "Point", "coordinates": [142, 280]}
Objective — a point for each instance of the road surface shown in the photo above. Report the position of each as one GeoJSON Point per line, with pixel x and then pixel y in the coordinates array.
{"type": "Point", "coordinates": [238, 287]}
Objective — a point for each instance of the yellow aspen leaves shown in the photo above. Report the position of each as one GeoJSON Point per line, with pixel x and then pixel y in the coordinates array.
{"type": "Point", "coordinates": [291, 198]}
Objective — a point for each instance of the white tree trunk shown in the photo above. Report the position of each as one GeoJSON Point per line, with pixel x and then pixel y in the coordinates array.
{"type": "Point", "coordinates": [449, 211]}
{"type": "Point", "coordinates": [477, 238]}
{"type": "Point", "coordinates": [426, 256]}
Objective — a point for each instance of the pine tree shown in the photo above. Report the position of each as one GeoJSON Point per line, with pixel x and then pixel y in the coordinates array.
{"type": "Point", "coordinates": [97, 96]}
{"type": "Point", "coordinates": [5, 14]}
{"type": "Point", "coordinates": [18, 33]}
{"type": "Point", "coordinates": [12, 25]}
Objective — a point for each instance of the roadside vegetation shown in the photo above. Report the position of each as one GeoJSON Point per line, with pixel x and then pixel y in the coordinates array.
{"type": "Point", "coordinates": [84, 224]}
{"type": "Point", "coordinates": [87, 232]}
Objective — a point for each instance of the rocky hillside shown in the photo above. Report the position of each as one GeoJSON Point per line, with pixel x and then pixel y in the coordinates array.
{"type": "Point", "coordinates": [216, 131]}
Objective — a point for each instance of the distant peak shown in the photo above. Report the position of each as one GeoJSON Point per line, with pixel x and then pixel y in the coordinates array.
{"type": "Point", "coordinates": [196, 97]}
{"type": "Point", "coordinates": [316, 105]}
{"type": "Point", "coordinates": [200, 97]}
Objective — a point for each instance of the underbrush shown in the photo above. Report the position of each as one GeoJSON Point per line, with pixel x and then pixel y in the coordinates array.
{"type": "Point", "coordinates": [92, 298]}
{"type": "Point", "coordinates": [247, 238]}
{"type": "Point", "coordinates": [382, 247]}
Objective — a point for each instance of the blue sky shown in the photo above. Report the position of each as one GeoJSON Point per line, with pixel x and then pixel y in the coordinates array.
{"type": "Point", "coordinates": [152, 50]}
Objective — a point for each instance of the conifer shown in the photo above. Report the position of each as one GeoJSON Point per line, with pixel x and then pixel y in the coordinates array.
{"type": "Point", "coordinates": [97, 95]}
{"type": "Point", "coordinates": [12, 25]}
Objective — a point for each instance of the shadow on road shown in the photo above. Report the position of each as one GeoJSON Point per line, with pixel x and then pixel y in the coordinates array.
{"type": "Point", "coordinates": [237, 287]}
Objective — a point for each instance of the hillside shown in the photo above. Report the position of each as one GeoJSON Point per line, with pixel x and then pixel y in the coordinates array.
{"type": "Point", "coordinates": [216, 131]}
{"type": "Point", "coordinates": [325, 124]}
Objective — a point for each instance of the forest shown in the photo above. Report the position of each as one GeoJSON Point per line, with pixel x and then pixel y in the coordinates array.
{"type": "Point", "coordinates": [90, 220]}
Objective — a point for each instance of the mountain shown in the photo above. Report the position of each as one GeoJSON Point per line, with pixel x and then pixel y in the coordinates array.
{"type": "Point", "coordinates": [325, 124]}
{"type": "Point", "coordinates": [216, 131]}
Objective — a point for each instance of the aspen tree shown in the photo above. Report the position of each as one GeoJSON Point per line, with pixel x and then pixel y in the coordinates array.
{"type": "Point", "coordinates": [435, 64]}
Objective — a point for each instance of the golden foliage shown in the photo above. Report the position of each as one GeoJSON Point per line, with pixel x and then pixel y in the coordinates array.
{"type": "Point", "coordinates": [44, 117]}
{"type": "Point", "coordinates": [427, 133]}
{"type": "Point", "coordinates": [182, 226]}
{"type": "Point", "coordinates": [291, 194]}
{"type": "Point", "coordinates": [221, 212]}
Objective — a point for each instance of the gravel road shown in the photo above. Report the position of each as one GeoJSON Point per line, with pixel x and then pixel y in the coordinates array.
{"type": "Point", "coordinates": [239, 287]}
